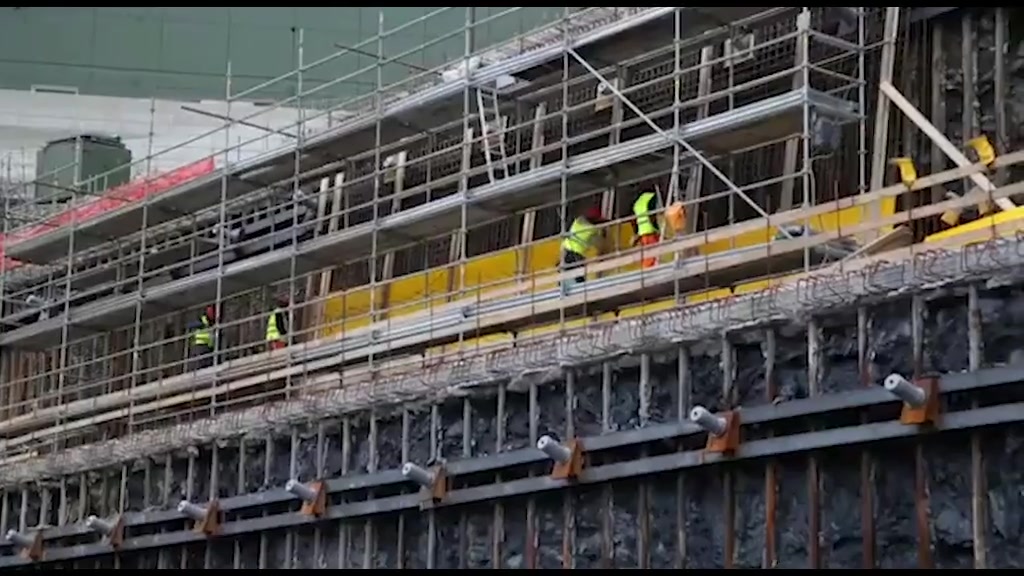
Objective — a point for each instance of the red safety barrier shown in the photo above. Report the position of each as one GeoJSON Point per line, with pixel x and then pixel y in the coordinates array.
{"type": "Point", "coordinates": [112, 199]}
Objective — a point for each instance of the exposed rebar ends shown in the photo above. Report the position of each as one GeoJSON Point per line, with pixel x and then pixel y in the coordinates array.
{"type": "Point", "coordinates": [419, 475]}
{"type": "Point", "coordinates": [193, 511]}
{"type": "Point", "coordinates": [300, 490]}
{"type": "Point", "coordinates": [715, 425]}
{"type": "Point", "coordinates": [899, 387]}
{"type": "Point", "coordinates": [553, 449]}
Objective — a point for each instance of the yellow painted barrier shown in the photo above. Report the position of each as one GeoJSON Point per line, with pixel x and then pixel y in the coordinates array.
{"type": "Point", "coordinates": [419, 291]}
{"type": "Point", "coordinates": [1015, 214]}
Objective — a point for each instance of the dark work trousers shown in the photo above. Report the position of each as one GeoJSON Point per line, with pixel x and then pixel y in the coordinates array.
{"type": "Point", "coordinates": [571, 260]}
{"type": "Point", "coordinates": [200, 356]}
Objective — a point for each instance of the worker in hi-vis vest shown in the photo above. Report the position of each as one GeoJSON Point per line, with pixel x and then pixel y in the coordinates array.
{"type": "Point", "coordinates": [200, 350]}
{"type": "Point", "coordinates": [584, 234]}
{"type": "Point", "coordinates": [277, 325]}
{"type": "Point", "coordinates": [646, 227]}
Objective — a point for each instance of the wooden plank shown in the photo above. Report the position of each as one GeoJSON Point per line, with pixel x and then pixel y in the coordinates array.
{"type": "Point", "coordinates": [268, 361]}
{"type": "Point", "coordinates": [941, 141]}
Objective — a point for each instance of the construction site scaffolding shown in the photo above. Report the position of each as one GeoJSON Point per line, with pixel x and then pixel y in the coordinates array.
{"type": "Point", "coordinates": [496, 152]}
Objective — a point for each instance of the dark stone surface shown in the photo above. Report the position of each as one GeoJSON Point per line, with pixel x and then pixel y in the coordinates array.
{"type": "Point", "coordinates": [842, 542]}
{"type": "Point", "coordinates": [840, 370]}
{"type": "Point", "coordinates": [750, 519]}
{"type": "Point", "coordinates": [895, 528]}
{"type": "Point", "coordinates": [1004, 475]}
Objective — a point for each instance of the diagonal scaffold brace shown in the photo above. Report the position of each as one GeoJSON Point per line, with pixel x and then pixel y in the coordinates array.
{"type": "Point", "coordinates": [674, 138]}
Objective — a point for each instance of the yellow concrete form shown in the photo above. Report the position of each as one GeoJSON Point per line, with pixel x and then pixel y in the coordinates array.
{"type": "Point", "coordinates": [1006, 216]}
{"type": "Point", "coordinates": [350, 309]}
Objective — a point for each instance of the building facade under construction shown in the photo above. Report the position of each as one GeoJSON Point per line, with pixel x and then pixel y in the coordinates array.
{"type": "Point", "coordinates": [813, 365]}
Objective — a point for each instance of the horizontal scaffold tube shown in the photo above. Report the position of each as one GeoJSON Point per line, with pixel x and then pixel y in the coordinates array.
{"type": "Point", "coordinates": [820, 406]}
{"type": "Point", "coordinates": [444, 321]}
{"type": "Point", "coordinates": [545, 358]}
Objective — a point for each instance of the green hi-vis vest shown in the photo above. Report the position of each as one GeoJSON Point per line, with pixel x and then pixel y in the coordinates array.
{"type": "Point", "coordinates": [202, 336]}
{"type": "Point", "coordinates": [273, 334]}
{"type": "Point", "coordinates": [581, 237]}
{"type": "Point", "coordinates": [642, 211]}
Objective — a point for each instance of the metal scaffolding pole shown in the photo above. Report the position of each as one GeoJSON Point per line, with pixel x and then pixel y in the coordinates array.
{"type": "Point", "coordinates": [672, 137]}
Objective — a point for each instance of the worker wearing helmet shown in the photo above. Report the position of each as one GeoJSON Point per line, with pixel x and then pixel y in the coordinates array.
{"type": "Point", "coordinates": [646, 227]}
{"type": "Point", "coordinates": [277, 325]}
{"type": "Point", "coordinates": [201, 341]}
{"type": "Point", "coordinates": [584, 234]}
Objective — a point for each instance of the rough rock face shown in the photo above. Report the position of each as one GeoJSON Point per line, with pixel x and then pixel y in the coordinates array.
{"type": "Point", "coordinates": [700, 518]}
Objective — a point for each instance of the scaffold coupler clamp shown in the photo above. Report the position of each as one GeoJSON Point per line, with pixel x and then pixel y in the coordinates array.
{"type": "Point", "coordinates": [112, 531]}
{"type": "Point", "coordinates": [313, 496]}
{"type": "Point", "coordinates": [567, 458]}
{"type": "Point", "coordinates": [433, 482]}
{"type": "Point", "coordinates": [206, 518]}
{"type": "Point", "coordinates": [29, 546]}
{"type": "Point", "coordinates": [921, 404]}
{"type": "Point", "coordinates": [723, 429]}
{"type": "Point", "coordinates": [907, 170]}
{"type": "Point", "coordinates": [984, 149]}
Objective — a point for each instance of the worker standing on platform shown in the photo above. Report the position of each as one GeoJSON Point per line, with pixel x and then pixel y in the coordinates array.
{"type": "Point", "coordinates": [277, 325]}
{"type": "Point", "coordinates": [584, 234]}
{"type": "Point", "coordinates": [201, 346]}
{"type": "Point", "coordinates": [646, 229]}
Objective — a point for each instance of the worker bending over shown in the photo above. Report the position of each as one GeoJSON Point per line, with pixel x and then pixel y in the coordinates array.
{"type": "Point", "coordinates": [646, 228]}
{"type": "Point", "coordinates": [277, 325]}
{"type": "Point", "coordinates": [201, 346]}
{"type": "Point", "coordinates": [584, 234]}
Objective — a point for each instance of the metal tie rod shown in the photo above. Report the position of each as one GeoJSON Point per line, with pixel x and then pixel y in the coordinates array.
{"type": "Point", "coordinates": [674, 138]}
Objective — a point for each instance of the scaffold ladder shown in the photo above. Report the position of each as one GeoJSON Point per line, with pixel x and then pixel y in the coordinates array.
{"type": "Point", "coordinates": [492, 131]}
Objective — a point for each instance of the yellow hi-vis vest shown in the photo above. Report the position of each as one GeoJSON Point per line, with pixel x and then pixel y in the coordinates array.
{"type": "Point", "coordinates": [642, 211]}
{"type": "Point", "coordinates": [202, 336]}
{"type": "Point", "coordinates": [581, 236]}
{"type": "Point", "coordinates": [273, 334]}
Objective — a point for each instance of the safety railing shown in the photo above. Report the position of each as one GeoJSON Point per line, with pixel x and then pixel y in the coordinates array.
{"type": "Point", "coordinates": [382, 95]}
{"type": "Point", "coordinates": [384, 204]}
{"type": "Point", "coordinates": [234, 376]}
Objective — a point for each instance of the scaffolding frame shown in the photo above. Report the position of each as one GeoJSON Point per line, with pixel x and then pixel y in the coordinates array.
{"type": "Point", "coordinates": [66, 380]}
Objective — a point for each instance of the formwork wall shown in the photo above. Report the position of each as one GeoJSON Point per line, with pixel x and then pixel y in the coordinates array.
{"type": "Point", "coordinates": [900, 504]}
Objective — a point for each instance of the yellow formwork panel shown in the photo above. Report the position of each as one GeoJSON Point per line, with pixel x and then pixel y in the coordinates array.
{"type": "Point", "coordinates": [755, 285]}
{"type": "Point", "coordinates": [838, 220]}
{"type": "Point", "coordinates": [348, 310]}
{"type": "Point", "coordinates": [470, 344]}
{"type": "Point", "coordinates": [647, 308]}
{"type": "Point", "coordinates": [417, 292]}
{"type": "Point", "coordinates": [1006, 216]}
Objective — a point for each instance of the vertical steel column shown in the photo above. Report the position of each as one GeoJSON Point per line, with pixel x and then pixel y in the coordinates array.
{"type": "Point", "coordinates": [684, 387]}
{"type": "Point", "coordinates": [1000, 88]}
{"type": "Point", "coordinates": [222, 236]}
{"type": "Point", "coordinates": [300, 139]}
{"type": "Point", "coordinates": [979, 484]}
{"type": "Point", "coordinates": [771, 488]}
{"type": "Point", "coordinates": [880, 134]}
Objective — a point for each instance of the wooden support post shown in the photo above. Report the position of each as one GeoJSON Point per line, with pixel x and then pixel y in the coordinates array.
{"type": "Point", "coordinates": [695, 183]}
{"type": "Point", "coordinates": [388, 270]}
{"type": "Point", "coordinates": [524, 259]}
{"type": "Point", "coordinates": [793, 144]}
{"type": "Point", "coordinates": [880, 142]}
{"type": "Point", "coordinates": [940, 140]}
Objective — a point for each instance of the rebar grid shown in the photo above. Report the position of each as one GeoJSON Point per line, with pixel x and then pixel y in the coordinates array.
{"type": "Point", "coordinates": [546, 359]}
